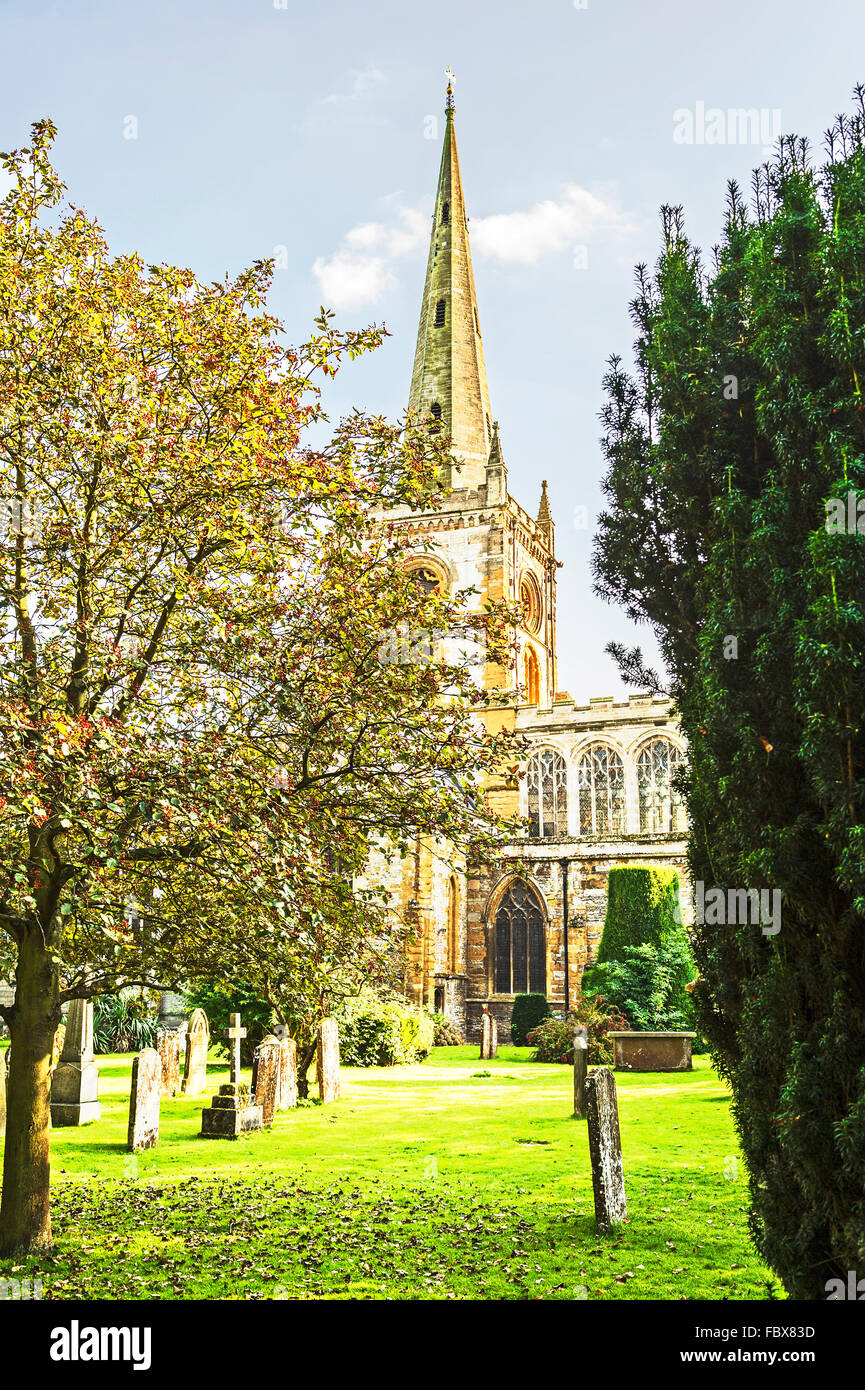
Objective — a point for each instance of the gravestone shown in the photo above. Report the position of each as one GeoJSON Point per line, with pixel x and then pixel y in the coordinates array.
{"type": "Point", "coordinates": [327, 1060]}
{"type": "Point", "coordinates": [489, 1037]}
{"type": "Point", "coordinates": [605, 1148]}
{"type": "Point", "coordinates": [2, 1093]}
{"type": "Point", "coordinates": [143, 1130]}
{"type": "Point", "coordinates": [230, 1112]}
{"type": "Point", "coordinates": [197, 1043]}
{"type": "Point", "coordinates": [265, 1077]}
{"type": "Point", "coordinates": [287, 1093]}
{"type": "Point", "coordinates": [168, 1046]}
{"type": "Point", "coordinates": [75, 1083]}
{"type": "Point", "coordinates": [581, 1064]}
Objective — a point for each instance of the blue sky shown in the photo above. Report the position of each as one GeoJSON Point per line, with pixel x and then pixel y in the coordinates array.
{"type": "Point", "coordinates": [267, 126]}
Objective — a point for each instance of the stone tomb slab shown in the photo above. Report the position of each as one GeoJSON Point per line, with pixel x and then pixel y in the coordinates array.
{"type": "Point", "coordinates": [265, 1077]}
{"type": "Point", "coordinates": [197, 1043]}
{"type": "Point", "coordinates": [75, 1082]}
{"type": "Point", "coordinates": [327, 1060]}
{"type": "Point", "coordinates": [652, 1051]}
{"type": "Point", "coordinates": [605, 1148]}
{"type": "Point", "coordinates": [168, 1046]}
{"type": "Point", "coordinates": [144, 1099]}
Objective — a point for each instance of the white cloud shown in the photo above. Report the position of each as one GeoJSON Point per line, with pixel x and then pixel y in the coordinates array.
{"type": "Point", "coordinates": [546, 228]}
{"type": "Point", "coordinates": [363, 80]}
{"type": "Point", "coordinates": [361, 271]}
{"type": "Point", "coordinates": [349, 279]}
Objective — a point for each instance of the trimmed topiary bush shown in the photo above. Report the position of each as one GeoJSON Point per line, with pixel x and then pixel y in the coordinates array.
{"type": "Point", "coordinates": [642, 906]}
{"type": "Point", "coordinates": [529, 1010]}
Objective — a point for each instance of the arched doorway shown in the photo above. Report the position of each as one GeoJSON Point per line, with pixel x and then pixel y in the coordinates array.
{"type": "Point", "coordinates": [519, 943]}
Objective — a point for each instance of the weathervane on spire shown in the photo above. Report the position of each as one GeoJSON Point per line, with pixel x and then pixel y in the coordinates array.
{"type": "Point", "coordinates": [450, 93]}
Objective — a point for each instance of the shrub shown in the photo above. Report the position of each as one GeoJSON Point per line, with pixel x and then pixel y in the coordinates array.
{"type": "Point", "coordinates": [648, 983]}
{"type": "Point", "coordinates": [124, 1022]}
{"type": "Point", "coordinates": [446, 1034]}
{"type": "Point", "coordinates": [553, 1040]}
{"type": "Point", "coordinates": [527, 1013]}
{"type": "Point", "coordinates": [219, 1001]}
{"type": "Point", "coordinates": [642, 906]}
{"type": "Point", "coordinates": [379, 1032]}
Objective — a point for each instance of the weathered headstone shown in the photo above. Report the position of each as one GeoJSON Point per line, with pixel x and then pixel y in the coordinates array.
{"type": "Point", "coordinates": [2, 1093]}
{"type": "Point", "coordinates": [605, 1148]}
{"type": "Point", "coordinates": [197, 1043]}
{"type": "Point", "coordinates": [144, 1101]}
{"type": "Point", "coordinates": [489, 1037]}
{"type": "Point", "coordinates": [287, 1093]}
{"type": "Point", "coordinates": [230, 1113]}
{"type": "Point", "coordinates": [75, 1083]}
{"type": "Point", "coordinates": [581, 1065]}
{"type": "Point", "coordinates": [327, 1060]}
{"type": "Point", "coordinates": [265, 1077]}
{"type": "Point", "coordinates": [168, 1046]}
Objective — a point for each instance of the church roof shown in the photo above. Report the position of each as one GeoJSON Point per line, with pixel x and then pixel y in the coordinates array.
{"type": "Point", "coordinates": [449, 376]}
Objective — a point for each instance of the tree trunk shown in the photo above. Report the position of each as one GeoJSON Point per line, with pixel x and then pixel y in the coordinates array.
{"type": "Point", "coordinates": [25, 1213]}
{"type": "Point", "coordinates": [304, 1063]}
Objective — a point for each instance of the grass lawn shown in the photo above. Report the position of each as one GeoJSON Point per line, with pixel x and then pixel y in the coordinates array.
{"type": "Point", "coordinates": [451, 1179]}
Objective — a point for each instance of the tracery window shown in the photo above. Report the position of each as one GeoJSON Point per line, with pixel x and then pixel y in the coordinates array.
{"type": "Point", "coordinates": [520, 947]}
{"type": "Point", "coordinates": [601, 783]}
{"type": "Point", "coordinates": [547, 781]}
{"type": "Point", "coordinates": [661, 807]}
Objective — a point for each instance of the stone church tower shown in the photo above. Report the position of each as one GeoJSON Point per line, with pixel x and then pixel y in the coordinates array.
{"type": "Point", "coordinates": [596, 788]}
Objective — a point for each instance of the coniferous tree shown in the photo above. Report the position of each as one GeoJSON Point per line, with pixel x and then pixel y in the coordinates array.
{"type": "Point", "coordinates": [741, 423]}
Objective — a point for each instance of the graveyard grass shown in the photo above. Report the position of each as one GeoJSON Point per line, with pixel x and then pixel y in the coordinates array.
{"type": "Point", "coordinates": [452, 1179]}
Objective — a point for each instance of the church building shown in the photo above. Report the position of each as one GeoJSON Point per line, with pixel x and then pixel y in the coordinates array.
{"type": "Point", "coordinates": [596, 786]}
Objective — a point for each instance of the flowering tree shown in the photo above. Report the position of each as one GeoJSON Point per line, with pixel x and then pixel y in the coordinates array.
{"type": "Point", "coordinates": [198, 733]}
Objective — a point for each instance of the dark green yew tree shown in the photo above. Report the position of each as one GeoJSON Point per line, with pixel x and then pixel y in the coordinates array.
{"type": "Point", "coordinates": [742, 420]}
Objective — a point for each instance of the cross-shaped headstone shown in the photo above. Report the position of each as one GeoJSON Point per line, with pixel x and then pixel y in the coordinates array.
{"type": "Point", "coordinates": [234, 1034]}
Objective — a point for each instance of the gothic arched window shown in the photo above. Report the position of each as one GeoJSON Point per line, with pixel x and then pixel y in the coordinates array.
{"type": "Point", "coordinates": [446, 213]}
{"type": "Point", "coordinates": [601, 782]}
{"type": "Point", "coordinates": [547, 780]}
{"type": "Point", "coordinates": [661, 807]}
{"type": "Point", "coordinates": [519, 943]}
{"type": "Point", "coordinates": [440, 313]}
{"type": "Point", "coordinates": [453, 903]}
{"type": "Point", "coordinates": [533, 678]}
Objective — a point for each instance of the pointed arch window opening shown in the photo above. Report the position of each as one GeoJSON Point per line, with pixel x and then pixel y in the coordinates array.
{"type": "Point", "coordinates": [547, 783]}
{"type": "Point", "coordinates": [519, 943]}
{"type": "Point", "coordinates": [446, 213]}
{"type": "Point", "coordinates": [601, 788]}
{"type": "Point", "coordinates": [662, 810]}
{"type": "Point", "coordinates": [452, 920]}
{"type": "Point", "coordinates": [533, 678]}
{"type": "Point", "coordinates": [440, 314]}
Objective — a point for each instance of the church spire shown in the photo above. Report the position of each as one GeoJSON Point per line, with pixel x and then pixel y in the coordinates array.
{"type": "Point", "coordinates": [545, 516]}
{"type": "Point", "coordinates": [449, 376]}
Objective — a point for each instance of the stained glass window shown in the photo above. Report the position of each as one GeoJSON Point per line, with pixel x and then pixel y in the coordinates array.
{"type": "Point", "coordinates": [547, 780]}
{"type": "Point", "coordinates": [520, 943]}
{"type": "Point", "coordinates": [661, 807]}
{"type": "Point", "coordinates": [601, 784]}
